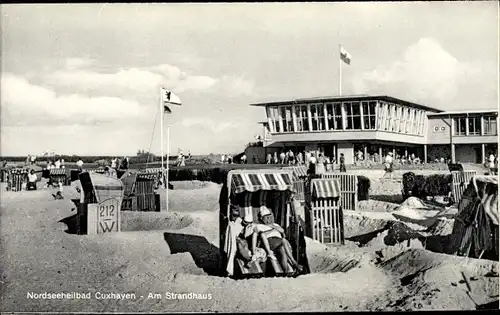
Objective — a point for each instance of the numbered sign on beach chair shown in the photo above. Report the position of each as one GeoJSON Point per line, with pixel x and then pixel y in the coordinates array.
{"type": "Point", "coordinates": [348, 189]}
{"type": "Point", "coordinates": [324, 216]}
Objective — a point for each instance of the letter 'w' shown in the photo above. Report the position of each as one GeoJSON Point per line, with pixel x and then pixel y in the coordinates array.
{"type": "Point", "coordinates": [107, 228]}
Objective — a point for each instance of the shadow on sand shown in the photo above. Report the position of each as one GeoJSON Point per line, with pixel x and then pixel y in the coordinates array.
{"type": "Point", "coordinates": [205, 254]}
{"type": "Point", "coordinates": [72, 222]}
{"type": "Point", "coordinates": [388, 198]}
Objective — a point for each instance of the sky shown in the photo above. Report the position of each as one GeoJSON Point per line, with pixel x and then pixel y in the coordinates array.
{"type": "Point", "coordinates": [84, 79]}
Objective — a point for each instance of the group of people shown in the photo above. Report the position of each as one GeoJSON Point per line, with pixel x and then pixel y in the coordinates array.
{"type": "Point", "coordinates": [311, 159]}
{"type": "Point", "coordinates": [227, 159]}
{"type": "Point", "coordinates": [262, 240]}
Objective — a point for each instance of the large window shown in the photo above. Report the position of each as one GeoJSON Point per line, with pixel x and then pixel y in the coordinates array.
{"type": "Point", "coordinates": [286, 118]}
{"type": "Point", "coordinates": [274, 115]}
{"type": "Point", "coordinates": [302, 121]}
{"type": "Point", "coordinates": [490, 125]}
{"type": "Point", "coordinates": [474, 125]}
{"type": "Point", "coordinates": [460, 125]}
{"type": "Point", "coordinates": [318, 117]}
{"type": "Point", "coordinates": [353, 116]}
{"type": "Point", "coordinates": [421, 123]}
{"type": "Point", "coordinates": [397, 118]}
{"type": "Point", "coordinates": [369, 115]}
{"type": "Point", "coordinates": [330, 116]}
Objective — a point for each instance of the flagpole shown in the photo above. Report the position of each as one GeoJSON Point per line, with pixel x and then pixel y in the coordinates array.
{"type": "Point", "coordinates": [340, 71]}
{"type": "Point", "coordinates": [168, 164]}
{"type": "Point", "coordinates": [162, 111]}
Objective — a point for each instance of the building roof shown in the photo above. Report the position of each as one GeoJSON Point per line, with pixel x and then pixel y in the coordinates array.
{"type": "Point", "coordinates": [464, 112]}
{"type": "Point", "coordinates": [360, 97]}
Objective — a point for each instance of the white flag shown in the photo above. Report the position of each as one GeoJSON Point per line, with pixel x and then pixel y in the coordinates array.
{"type": "Point", "coordinates": [169, 98]}
{"type": "Point", "coordinates": [345, 56]}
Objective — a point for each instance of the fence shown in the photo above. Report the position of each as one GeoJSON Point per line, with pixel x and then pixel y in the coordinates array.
{"type": "Point", "coordinates": [461, 180]}
{"type": "Point", "coordinates": [348, 189]}
{"type": "Point", "coordinates": [327, 222]}
{"type": "Point", "coordinates": [16, 179]}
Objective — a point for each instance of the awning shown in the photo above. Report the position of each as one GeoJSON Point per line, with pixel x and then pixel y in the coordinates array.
{"type": "Point", "coordinates": [260, 181]}
{"type": "Point", "coordinates": [58, 171]}
{"type": "Point", "coordinates": [153, 170]}
{"type": "Point", "coordinates": [298, 171]}
{"type": "Point", "coordinates": [147, 176]}
{"type": "Point", "coordinates": [325, 188]}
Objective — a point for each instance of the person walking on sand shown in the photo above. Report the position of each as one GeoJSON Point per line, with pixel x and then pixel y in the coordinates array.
{"type": "Point", "coordinates": [342, 163]}
{"type": "Point", "coordinates": [269, 158]}
{"type": "Point", "coordinates": [388, 165]}
{"type": "Point", "coordinates": [491, 164]}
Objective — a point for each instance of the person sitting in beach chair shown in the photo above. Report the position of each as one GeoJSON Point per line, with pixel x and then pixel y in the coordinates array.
{"type": "Point", "coordinates": [32, 178]}
{"type": "Point", "coordinates": [59, 195]}
{"type": "Point", "coordinates": [272, 239]}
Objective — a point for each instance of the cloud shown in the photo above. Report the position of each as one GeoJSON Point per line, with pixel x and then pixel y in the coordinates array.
{"type": "Point", "coordinates": [75, 63]}
{"type": "Point", "coordinates": [24, 103]}
{"type": "Point", "coordinates": [145, 81]}
{"type": "Point", "coordinates": [426, 72]}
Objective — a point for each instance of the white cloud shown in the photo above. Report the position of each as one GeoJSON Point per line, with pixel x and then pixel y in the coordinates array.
{"type": "Point", "coordinates": [75, 63]}
{"type": "Point", "coordinates": [146, 80]}
{"type": "Point", "coordinates": [25, 103]}
{"type": "Point", "coordinates": [425, 72]}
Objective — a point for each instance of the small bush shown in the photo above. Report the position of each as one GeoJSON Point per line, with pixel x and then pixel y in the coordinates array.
{"type": "Point", "coordinates": [423, 186]}
{"type": "Point", "coordinates": [363, 188]}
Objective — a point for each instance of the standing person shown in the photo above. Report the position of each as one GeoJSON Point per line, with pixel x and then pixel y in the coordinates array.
{"type": "Point", "coordinates": [32, 159]}
{"type": "Point", "coordinates": [388, 165]}
{"type": "Point", "coordinates": [113, 163]}
{"type": "Point", "coordinates": [183, 160]}
{"type": "Point", "coordinates": [62, 163]}
{"type": "Point", "coordinates": [125, 163]}
{"type": "Point", "coordinates": [300, 160]}
{"type": "Point", "coordinates": [491, 164]}
{"type": "Point", "coordinates": [269, 159]}
{"type": "Point", "coordinates": [275, 158]}
{"type": "Point", "coordinates": [291, 158]}
{"type": "Point", "coordinates": [229, 159]}
{"type": "Point", "coordinates": [342, 163]}
{"type": "Point", "coordinates": [79, 164]}
{"type": "Point", "coordinates": [243, 159]}
{"type": "Point", "coordinates": [320, 165]}
{"type": "Point", "coordinates": [223, 158]}
{"type": "Point", "coordinates": [32, 178]}
{"type": "Point", "coordinates": [282, 157]}
{"type": "Point", "coordinates": [58, 163]}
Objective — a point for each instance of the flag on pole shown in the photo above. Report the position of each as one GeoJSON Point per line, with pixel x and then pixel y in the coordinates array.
{"type": "Point", "coordinates": [169, 98]}
{"type": "Point", "coordinates": [345, 56]}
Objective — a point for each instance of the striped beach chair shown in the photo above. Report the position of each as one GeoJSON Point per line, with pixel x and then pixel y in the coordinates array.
{"type": "Point", "coordinates": [325, 219]}
{"type": "Point", "coordinates": [460, 181]}
{"type": "Point", "coordinates": [18, 178]}
{"type": "Point", "coordinates": [348, 189]}
{"type": "Point", "coordinates": [59, 174]}
{"type": "Point", "coordinates": [299, 178]}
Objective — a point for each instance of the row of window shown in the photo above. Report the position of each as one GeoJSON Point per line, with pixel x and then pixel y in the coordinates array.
{"type": "Point", "coordinates": [346, 116]}
{"type": "Point", "coordinates": [464, 126]}
{"type": "Point", "coordinates": [401, 119]}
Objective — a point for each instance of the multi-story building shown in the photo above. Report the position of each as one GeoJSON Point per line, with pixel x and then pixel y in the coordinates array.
{"type": "Point", "coordinates": [378, 124]}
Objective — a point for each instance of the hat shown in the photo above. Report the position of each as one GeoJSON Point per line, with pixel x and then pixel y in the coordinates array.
{"type": "Point", "coordinates": [264, 211]}
{"type": "Point", "coordinates": [248, 218]}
